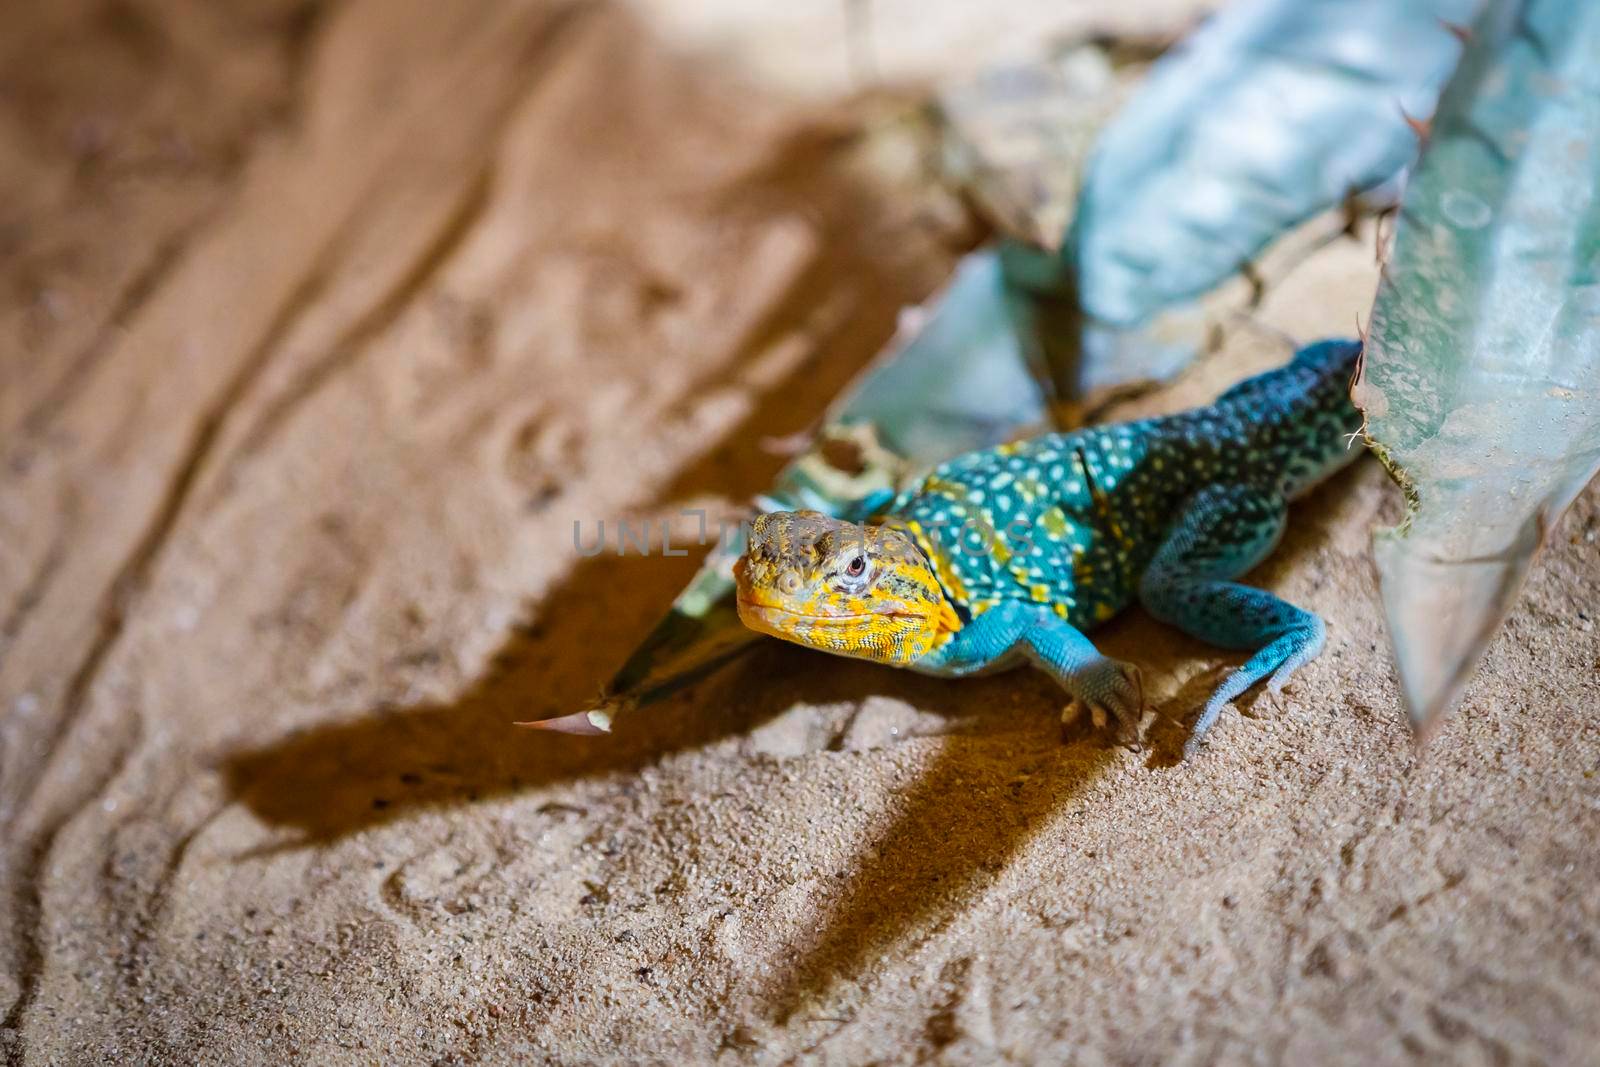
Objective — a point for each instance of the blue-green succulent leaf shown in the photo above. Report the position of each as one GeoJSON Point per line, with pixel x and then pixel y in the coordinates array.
{"type": "Point", "coordinates": [1270, 113]}
{"type": "Point", "coordinates": [1481, 383]}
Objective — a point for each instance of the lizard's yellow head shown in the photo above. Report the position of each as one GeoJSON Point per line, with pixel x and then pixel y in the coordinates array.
{"type": "Point", "coordinates": [863, 591]}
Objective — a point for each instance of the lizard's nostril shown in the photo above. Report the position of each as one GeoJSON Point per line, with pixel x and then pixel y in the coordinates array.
{"type": "Point", "coordinates": [789, 583]}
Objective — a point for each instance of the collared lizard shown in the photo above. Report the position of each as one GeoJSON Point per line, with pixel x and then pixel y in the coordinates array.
{"type": "Point", "coordinates": [1007, 555]}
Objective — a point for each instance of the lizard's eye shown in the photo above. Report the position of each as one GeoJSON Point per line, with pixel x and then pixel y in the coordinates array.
{"type": "Point", "coordinates": [856, 567]}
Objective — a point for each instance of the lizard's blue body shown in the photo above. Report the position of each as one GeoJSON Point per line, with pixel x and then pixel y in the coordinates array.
{"type": "Point", "coordinates": [1034, 543]}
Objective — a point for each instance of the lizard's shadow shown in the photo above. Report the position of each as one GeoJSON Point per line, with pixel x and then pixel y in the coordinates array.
{"type": "Point", "coordinates": [349, 773]}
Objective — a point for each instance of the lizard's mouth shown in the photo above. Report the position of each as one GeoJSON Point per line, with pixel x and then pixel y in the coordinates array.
{"type": "Point", "coordinates": [764, 611]}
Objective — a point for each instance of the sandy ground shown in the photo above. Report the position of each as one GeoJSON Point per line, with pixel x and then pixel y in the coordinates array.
{"type": "Point", "coordinates": [323, 323]}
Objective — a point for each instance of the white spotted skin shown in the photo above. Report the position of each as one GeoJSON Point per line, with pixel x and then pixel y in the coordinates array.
{"type": "Point", "coordinates": [1072, 520]}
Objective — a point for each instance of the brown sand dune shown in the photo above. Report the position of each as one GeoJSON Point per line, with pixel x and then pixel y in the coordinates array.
{"type": "Point", "coordinates": [325, 322]}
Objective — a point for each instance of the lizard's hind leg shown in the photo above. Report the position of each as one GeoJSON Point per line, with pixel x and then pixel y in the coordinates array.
{"type": "Point", "coordinates": [1224, 531]}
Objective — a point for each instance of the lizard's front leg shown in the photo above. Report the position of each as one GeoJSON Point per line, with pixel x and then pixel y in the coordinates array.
{"type": "Point", "coordinates": [1225, 531]}
{"type": "Point", "coordinates": [1105, 687]}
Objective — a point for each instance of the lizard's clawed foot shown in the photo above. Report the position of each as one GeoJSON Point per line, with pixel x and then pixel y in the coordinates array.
{"type": "Point", "coordinates": [1109, 690]}
{"type": "Point", "coordinates": [1277, 663]}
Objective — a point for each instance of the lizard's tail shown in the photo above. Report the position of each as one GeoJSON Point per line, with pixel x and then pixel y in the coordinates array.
{"type": "Point", "coordinates": [593, 721]}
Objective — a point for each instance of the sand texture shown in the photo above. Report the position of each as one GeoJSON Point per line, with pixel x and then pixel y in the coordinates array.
{"type": "Point", "coordinates": [322, 325]}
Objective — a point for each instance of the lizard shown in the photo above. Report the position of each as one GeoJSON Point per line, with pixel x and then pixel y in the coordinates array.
{"type": "Point", "coordinates": [1006, 556]}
